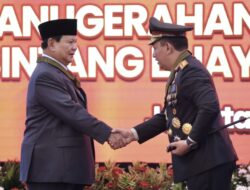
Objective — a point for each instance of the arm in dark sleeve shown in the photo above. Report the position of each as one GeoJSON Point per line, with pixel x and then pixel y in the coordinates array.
{"type": "Point", "coordinates": [55, 98]}
{"type": "Point", "coordinates": [150, 128]}
{"type": "Point", "coordinates": [198, 87]}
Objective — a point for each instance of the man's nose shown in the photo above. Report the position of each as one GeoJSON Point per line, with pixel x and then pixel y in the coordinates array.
{"type": "Point", "coordinates": [74, 47]}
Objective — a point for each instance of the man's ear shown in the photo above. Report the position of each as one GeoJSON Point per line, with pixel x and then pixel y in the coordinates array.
{"type": "Point", "coordinates": [168, 47]}
{"type": "Point", "coordinates": [51, 44]}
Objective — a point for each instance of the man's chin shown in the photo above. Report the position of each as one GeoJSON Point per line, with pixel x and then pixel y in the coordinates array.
{"type": "Point", "coordinates": [70, 60]}
{"type": "Point", "coordinates": [162, 68]}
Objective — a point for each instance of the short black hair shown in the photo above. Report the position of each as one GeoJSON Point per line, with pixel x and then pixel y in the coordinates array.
{"type": "Point", "coordinates": [180, 43]}
{"type": "Point", "coordinates": [44, 43]}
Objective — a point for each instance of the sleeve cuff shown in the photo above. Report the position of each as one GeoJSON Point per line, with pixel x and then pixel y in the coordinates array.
{"type": "Point", "coordinates": [134, 132]}
{"type": "Point", "coordinates": [191, 140]}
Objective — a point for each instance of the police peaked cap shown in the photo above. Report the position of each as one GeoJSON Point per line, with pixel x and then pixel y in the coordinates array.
{"type": "Point", "coordinates": [160, 29]}
{"type": "Point", "coordinates": [57, 28]}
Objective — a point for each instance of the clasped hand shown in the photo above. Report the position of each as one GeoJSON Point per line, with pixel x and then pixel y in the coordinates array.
{"type": "Point", "coordinates": [120, 138]}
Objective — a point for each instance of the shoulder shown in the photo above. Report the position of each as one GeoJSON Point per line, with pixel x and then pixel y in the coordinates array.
{"type": "Point", "coordinates": [194, 68]}
{"type": "Point", "coordinates": [45, 74]}
{"type": "Point", "coordinates": [45, 70]}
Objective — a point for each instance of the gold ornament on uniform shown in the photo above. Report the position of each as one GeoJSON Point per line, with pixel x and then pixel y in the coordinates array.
{"type": "Point", "coordinates": [170, 132]}
{"type": "Point", "coordinates": [186, 128]}
{"type": "Point", "coordinates": [168, 98]}
{"type": "Point", "coordinates": [176, 123]}
{"type": "Point", "coordinates": [174, 111]}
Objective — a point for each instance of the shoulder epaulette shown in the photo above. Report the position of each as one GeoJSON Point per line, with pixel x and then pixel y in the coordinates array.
{"type": "Point", "coordinates": [183, 64]}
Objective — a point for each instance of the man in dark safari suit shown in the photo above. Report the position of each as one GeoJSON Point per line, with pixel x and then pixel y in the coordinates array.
{"type": "Point", "coordinates": [191, 111]}
{"type": "Point", "coordinates": [57, 150]}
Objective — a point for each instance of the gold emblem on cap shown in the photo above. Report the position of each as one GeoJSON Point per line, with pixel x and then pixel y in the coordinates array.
{"type": "Point", "coordinates": [186, 128]}
{"type": "Point", "coordinates": [176, 123]}
{"type": "Point", "coordinates": [170, 132]}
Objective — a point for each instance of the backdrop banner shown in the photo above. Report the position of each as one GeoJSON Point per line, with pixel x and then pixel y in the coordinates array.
{"type": "Point", "coordinates": [123, 82]}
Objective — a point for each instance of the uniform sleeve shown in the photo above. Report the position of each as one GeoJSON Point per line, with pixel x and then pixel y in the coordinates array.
{"type": "Point", "coordinates": [54, 97]}
{"type": "Point", "coordinates": [151, 127]}
{"type": "Point", "coordinates": [197, 86]}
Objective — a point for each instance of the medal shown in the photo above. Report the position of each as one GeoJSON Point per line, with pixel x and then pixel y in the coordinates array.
{"type": "Point", "coordinates": [186, 128]}
{"type": "Point", "coordinates": [173, 96]}
{"type": "Point", "coordinates": [168, 97]}
{"type": "Point", "coordinates": [174, 111]}
{"type": "Point", "coordinates": [176, 123]}
{"type": "Point", "coordinates": [174, 102]}
{"type": "Point", "coordinates": [170, 132]}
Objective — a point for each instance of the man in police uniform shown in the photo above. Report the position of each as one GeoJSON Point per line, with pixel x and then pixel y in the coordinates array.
{"type": "Point", "coordinates": [205, 161]}
{"type": "Point", "coordinates": [57, 150]}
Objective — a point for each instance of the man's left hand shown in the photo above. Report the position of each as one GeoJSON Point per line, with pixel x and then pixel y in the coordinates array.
{"type": "Point", "coordinates": [181, 147]}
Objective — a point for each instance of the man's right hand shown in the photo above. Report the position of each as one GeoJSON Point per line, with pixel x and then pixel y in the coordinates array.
{"type": "Point", "coordinates": [120, 138]}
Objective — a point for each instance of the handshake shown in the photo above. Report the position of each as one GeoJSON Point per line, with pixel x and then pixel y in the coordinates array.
{"type": "Point", "coordinates": [120, 138]}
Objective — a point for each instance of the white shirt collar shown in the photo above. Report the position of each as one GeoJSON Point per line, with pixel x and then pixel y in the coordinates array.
{"type": "Point", "coordinates": [45, 55]}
